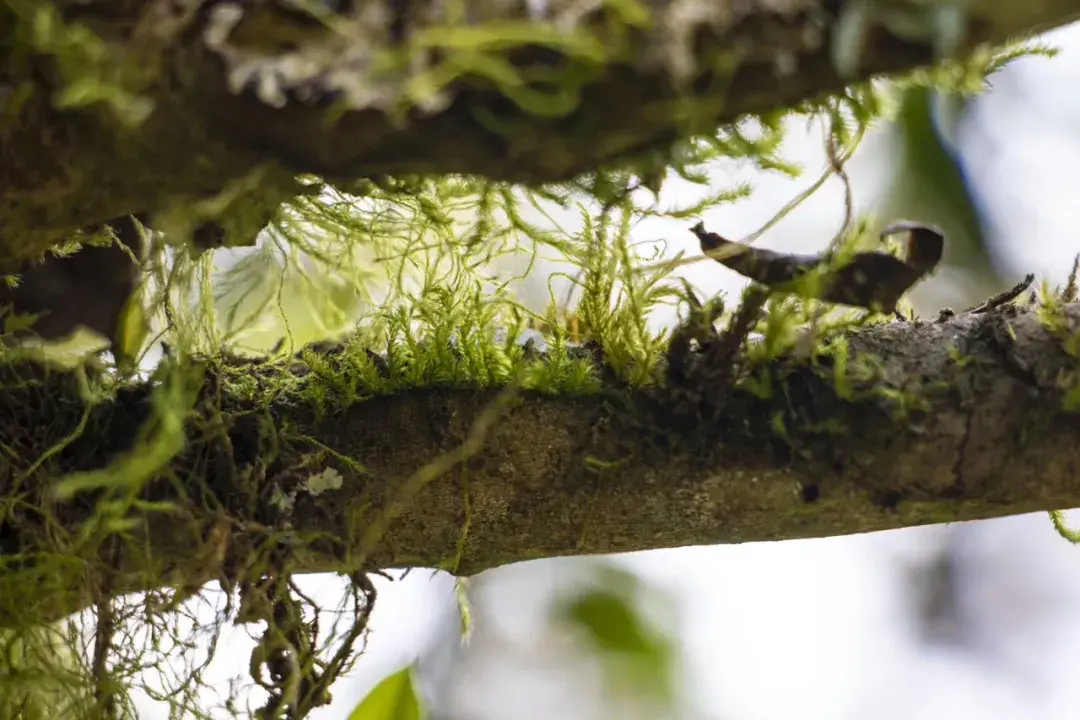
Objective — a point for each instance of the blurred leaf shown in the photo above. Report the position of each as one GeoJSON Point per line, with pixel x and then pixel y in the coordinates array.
{"type": "Point", "coordinates": [932, 179]}
{"type": "Point", "coordinates": [131, 332]}
{"type": "Point", "coordinates": [464, 609]}
{"type": "Point", "coordinates": [610, 622]}
{"type": "Point", "coordinates": [395, 698]}
{"type": "Point", "coordinates": [634, 653]}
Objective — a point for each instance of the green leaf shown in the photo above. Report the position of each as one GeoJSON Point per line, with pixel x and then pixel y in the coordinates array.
{"type": "Point", "coordinates": [395, 698]}
{"type": "Point", "coordinates": [930, 174]}
{"type": "Point", "coordinates": [634, 653]}
{"type": "Point", "coordinates": [610, 622]}
{"type": "Point", "coordinates": [131, 332]}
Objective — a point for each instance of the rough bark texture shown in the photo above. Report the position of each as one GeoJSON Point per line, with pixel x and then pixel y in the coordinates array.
{"type": "Point", "coordinates": [235, 97]}
{"type": "Point", "coordinates": [960, 420]}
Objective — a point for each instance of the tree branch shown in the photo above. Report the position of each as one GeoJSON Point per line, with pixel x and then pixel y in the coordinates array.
{"type": "Point", "coordinates": [237, 88]}
{"type": "Point", "coordinates": [923, 423]}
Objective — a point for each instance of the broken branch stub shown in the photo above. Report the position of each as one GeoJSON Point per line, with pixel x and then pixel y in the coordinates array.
{"type": "Point", "coordinates": [871, 280]}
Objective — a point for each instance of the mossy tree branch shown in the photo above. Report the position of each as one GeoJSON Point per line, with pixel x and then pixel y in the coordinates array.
{"type": "Point", "coordinates": [236, 88]}
{"type": "Point", "coordinates": [928, 422]}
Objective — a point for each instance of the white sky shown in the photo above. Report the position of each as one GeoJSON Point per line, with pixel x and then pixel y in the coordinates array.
{"type": "Point", "coordinates": [811, 629]}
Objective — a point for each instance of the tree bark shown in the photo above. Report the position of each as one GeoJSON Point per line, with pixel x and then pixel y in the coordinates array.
{"type": "Point", "coordinates": [272, 96]}
{"type": "Point", "coordinates": [925, 422]}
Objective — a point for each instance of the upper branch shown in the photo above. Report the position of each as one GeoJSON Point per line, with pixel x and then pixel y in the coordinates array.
{"type": "Point", "coordinates": [215, 90]}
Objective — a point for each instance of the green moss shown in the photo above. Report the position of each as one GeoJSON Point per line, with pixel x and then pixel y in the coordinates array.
{"type": "Point", "coordinates": [915, 512]}
{"type": "Point", "coordinates": [405, 281]}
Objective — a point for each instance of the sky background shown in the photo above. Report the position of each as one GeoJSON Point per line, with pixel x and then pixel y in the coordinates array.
{"type": "Point", "coordinates": [815, 629]}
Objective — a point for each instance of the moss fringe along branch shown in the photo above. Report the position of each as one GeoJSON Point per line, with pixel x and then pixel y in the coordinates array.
{"type": "Point", "coordinates": [922, 422]}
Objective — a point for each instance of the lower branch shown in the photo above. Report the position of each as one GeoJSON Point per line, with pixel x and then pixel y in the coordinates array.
{"type": "Point", "coordinates": [915, 423]}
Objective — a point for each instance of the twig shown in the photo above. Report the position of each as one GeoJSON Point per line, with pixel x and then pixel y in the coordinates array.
{"type": "Point", "coordinates": [729, 342]}
{"type": "Point", "coordinates": [871, 280]}
{"type": "Point", "coordinates": [104, 693]}
{"type": "Point", "coordinates": [1003, 298]}
{"type": "Point", "coordinates": [837, 160]}
{"type": "Point", "coordinates": [1068, 295]}
{"type": "Point", "coordinates": [782, 213]}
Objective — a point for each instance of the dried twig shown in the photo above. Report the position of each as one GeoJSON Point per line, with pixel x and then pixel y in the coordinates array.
{"type": "Point", "coordinates": [872, 280]}
{"type": "Point", "coordinates": [1003, 298]}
